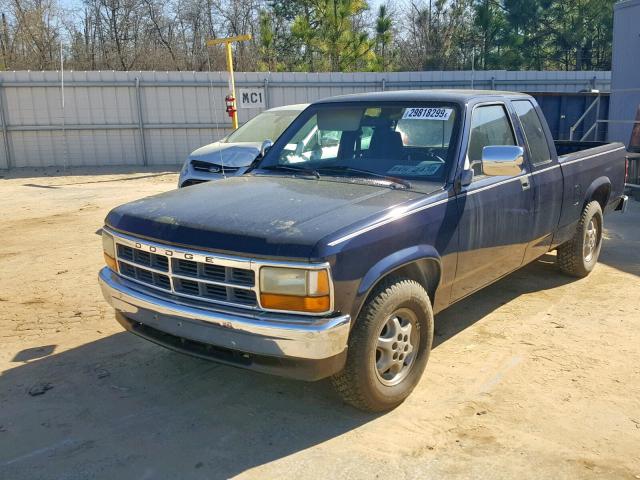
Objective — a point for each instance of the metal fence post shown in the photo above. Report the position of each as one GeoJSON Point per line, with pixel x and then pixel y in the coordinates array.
{"type": "Point", "coordinates": [384, 84]}
{"type": "Point", "coordinates": [5, 130]}
{"type": "Point", "coordinates": [145, 161]}
{"type": "Point", "coordinates": [266, 93]}
{"type": "Point", "coordinates": [595, 135]}
{"type": "Point", "coordinates": [562, 121]}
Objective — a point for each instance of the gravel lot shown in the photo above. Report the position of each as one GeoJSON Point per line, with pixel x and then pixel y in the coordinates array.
{"type": "Point", "coordinates": [537, 376]}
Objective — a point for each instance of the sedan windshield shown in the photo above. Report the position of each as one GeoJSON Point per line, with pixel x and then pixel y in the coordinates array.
{"type": "Point", "coordinates": [393, 140]}
{"type": "Point", "coordinates": [266, 126]}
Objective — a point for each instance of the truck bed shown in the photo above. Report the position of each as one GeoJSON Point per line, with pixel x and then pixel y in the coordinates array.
{"type": "Point", "coordinates": [574, 151]}
{"type": "Point", "coordinates": [589, 173]}
{"type": "Point", "coordinates": [566, 147]}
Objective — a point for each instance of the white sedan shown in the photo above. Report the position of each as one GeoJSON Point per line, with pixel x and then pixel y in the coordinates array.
{"type": "Point", "coordinates": [233, 154]}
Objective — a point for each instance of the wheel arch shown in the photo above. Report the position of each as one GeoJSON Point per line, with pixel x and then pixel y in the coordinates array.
{"type": "Point", "coordinates": [420, 263]}
{"type": "Point", "coordinates": [599, 191]}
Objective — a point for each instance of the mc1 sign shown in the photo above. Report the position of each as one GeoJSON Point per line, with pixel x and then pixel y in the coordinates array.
{"type": "Point", "coordinates": [251, 97]}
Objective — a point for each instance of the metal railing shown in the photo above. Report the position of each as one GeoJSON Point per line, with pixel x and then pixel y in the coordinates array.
{"type": "Point", "coordinates": [574, 127]}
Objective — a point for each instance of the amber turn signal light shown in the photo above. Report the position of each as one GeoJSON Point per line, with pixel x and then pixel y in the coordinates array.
{"type": "Point", "coordinates": [295, 303]}
{"type": "Point", "coordinates": [111, 262]}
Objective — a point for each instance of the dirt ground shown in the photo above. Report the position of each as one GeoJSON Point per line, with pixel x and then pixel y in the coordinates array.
{"type": "Point", "coordinates": [537, 376]}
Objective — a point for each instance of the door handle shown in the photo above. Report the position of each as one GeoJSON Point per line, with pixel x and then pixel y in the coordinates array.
{"type": "Point", "coordinates": [524, 182]}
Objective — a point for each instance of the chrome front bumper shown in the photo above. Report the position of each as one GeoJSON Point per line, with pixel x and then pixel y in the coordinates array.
{"type": "Point", "coordinates": [253, 335]}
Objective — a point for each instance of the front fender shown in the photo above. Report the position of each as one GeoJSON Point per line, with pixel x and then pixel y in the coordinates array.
{"type": "Point", "coordinates": [422, 258]}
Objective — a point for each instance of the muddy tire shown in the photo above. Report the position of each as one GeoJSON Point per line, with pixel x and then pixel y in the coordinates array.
{"type": "Point", "coordinates": [388, 347]}
{"type": "Point", "coordinates": [579, 256]}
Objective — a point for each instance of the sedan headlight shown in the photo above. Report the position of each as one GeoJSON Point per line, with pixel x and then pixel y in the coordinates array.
{"type": "Point", "coordinates": [295, 289]}
{"type": "Point", "coordinates": [183, 172]}
{"type": "Point", "coordinates": [185, 167]}
{"type": "Point", "coordinates": [109, 251]}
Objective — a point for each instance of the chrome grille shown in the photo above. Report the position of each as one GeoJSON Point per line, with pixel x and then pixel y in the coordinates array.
{"type": "Point", "coordinates": [213, 282]}
{"type": "Point", "coordinates": [214, 273]}
{"type": "Point", "coordinates": [145, 276]}
{"type": "Point", "coordinates": [140, 257]}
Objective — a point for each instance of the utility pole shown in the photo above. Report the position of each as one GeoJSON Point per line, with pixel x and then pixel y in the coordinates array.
{"type": "Point", "coordinates": [473, 67]}
{"type": "Point", "coordinates": [230, 99]}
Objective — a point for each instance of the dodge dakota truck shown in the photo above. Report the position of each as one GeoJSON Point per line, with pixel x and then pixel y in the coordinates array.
{"type": "Point", "coordinates": [332, 255]}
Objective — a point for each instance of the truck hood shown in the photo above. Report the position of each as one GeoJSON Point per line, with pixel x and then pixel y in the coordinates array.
{"type": "Point", "coordinates": [262, 216]}
{"type": "Point", "coordinates": [231, 154]}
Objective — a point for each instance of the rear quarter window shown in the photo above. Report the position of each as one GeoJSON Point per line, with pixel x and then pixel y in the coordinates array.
{"type": "Point", "coordinates": [533, 132]}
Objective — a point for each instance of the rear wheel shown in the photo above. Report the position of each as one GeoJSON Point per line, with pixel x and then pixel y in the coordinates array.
{"type": "Point", "coordinates": [579, 256]}
{"type": "Point", "coordinates": [388, 347]}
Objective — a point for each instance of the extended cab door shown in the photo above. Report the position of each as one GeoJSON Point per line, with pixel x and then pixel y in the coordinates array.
{"type": "Point", "coordinates": [495, 212]}
{"type": "Point", "coordinates": [546, 177]}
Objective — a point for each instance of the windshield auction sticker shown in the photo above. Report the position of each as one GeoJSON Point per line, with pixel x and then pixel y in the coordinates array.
{"type": "Point", "coordinates": [423, 168]}
{"type": "Point", "coordinates": [427, 114]}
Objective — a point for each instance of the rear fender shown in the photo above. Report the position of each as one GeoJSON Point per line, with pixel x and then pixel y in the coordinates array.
{"type": "Point", "coordinates": [599, 190]}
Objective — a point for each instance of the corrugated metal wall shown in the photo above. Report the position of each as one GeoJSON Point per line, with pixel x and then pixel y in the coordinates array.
{"type": "Point", "coordinates": [157, 118]}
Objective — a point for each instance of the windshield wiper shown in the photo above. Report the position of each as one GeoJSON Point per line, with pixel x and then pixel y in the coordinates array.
{"type": "Point", "coordinates": [367, 173]}
{"type": "Point", "coordinates": [302, 170]}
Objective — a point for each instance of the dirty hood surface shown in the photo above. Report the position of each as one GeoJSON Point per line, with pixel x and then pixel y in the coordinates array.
{"type": "Point", "coordinates": [258, 215]}
{"type": "Point", "coordinates": [229, 154]}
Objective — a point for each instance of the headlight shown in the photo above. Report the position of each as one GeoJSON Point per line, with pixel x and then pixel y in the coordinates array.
{"type": "Point", "coordinates": [185, 168]}
{"type": "Point", "coordinates": [109, 250]}
{"type": "Point", "coordinates": [295, 289]}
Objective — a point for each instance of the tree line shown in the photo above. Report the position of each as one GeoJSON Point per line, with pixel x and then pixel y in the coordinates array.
{"type": "Point", "coordinates": [307, 35]}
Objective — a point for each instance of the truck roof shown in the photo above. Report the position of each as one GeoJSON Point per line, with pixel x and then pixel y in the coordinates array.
{"type": "Point", "coordinates": [458, 96]}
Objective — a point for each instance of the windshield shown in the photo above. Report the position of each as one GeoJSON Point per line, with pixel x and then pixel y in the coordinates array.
{"type": "Point", "coordinates": [265, 126]}
{"type": "Point", "coordinates": [400, 140]}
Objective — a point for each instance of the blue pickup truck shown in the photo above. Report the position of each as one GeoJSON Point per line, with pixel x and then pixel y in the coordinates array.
{"type": "Point", "coordinates": [331, 257]}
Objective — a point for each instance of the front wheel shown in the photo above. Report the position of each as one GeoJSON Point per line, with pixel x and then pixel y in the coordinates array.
{"type": "Point", "coordinates": [388, 347]}
{"type": "Point", "coordinates": [579, 256]}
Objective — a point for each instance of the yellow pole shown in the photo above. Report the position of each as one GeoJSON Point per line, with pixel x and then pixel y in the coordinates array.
{"type": "Point", "coordinates": [232, 85]}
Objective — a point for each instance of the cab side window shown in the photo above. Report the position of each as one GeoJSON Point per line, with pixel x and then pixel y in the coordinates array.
{"type": "Point", "coordinates": [533, 131]}
{"type": "Point", "coordinates": [490, 126]}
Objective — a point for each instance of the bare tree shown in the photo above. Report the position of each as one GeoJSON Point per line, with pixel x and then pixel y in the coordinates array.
{"type": "Point", "coordinates": [307, 35]}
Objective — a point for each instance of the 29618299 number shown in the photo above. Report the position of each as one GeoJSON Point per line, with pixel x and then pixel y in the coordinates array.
{"type": "Point", "coordinates": [420, 113]}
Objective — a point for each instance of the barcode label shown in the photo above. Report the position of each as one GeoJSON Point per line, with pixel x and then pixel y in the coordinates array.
{"type": "Point", "coordinates": [427, 114]}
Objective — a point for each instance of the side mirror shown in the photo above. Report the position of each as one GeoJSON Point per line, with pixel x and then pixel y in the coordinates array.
{"type": "Point", "coordinates": [266, 145]}
{"type": "Point", "coordinates": [502, 160]}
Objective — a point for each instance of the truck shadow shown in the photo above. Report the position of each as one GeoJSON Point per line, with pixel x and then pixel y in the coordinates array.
{"type": "Point", "coordinates": [620, 251]}
{"type": "Point", "coordinates": [622, 240]}
{"type": "Point", "coordinates": [542, 274]}
{"type": "Point", "coordinates": [123, 407]}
